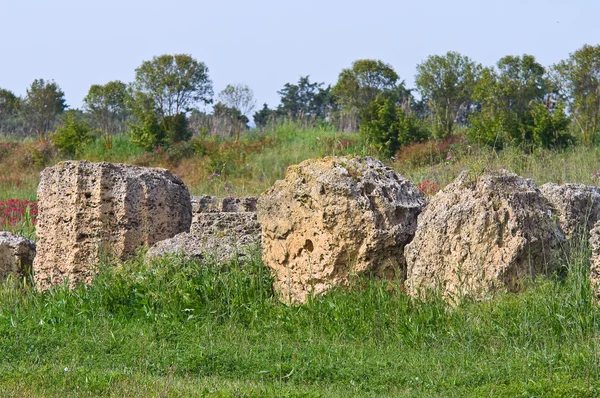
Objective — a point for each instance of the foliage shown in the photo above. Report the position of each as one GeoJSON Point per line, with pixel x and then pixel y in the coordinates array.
{"type": "Point", "coordinates": [517, 106]}
{"type": "Point", "coordinates": [446, 83]}
{"type": "Point", "coordinates": [305, 99]}
{"type": "Point", "coordinates": [549, 129]}
{"type": "Point", "coordinates": [150, 132]}
{"type": "Point", "coordinates": [264, 117]}
{"type": "Point", "coordinates": [108, 105]}
{"type": "Point", "coordinates": [43, 102]}
{"type": "Point", "coordinates": [174, 83]}
{"type": "Point", "coordinates": [165, 89]}
{"type": "Point", "coordinates": [73, 135]}
{"type": "Point", "coordinates": [363, 82]}
{"type": "Point", "coordinates": [386, 127]}
{"type": "Point", "coordinates": [579, 80]}
{"type": "Point", "coordinates": [229, 120]}
{"type": "Point", "coordinates": [9, 103]}
{"type": "Point", "coordinates": [238, 96]}
{"type": "Point", "coordinates": [432, 152]}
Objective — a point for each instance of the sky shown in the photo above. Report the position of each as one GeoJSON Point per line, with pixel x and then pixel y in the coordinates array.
{"type": "Point", "coordinates": [267, 43]}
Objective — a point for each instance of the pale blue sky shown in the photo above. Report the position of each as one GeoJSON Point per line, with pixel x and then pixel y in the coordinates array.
{"type": "Point", "coordinates": [267, 43]}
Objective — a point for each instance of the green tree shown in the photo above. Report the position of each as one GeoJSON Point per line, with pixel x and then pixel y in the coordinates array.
{"type": "Point", "coordinates": [579, 80]}
{"type": "Point", "coordinates": [165, 89]}
{"type": "Point", "coordinates": [9, 103]}
{"type": "Point", "coordinates": [305, 99]}
{"type": "Point", "coordinates": [359, 85]}
{"type": "Point", "coordinates": [73, 135]}
{"type": "Point", "coordinates": [108, 105]}
{"type": "Point", "coordinates": [175, 83]}
{"type": "Point", "coordinates": [387, 127]}
{"type": "Point", "coordinates": [549, 129]}
{"type": "Point", "coordinates": [264, 116]}
{"type": "Point", "coordinates": [43, 102]}
{"type": "Point", "coordinates": [446, 83]}
{"type": "Point", "coordinates": [507, 97]}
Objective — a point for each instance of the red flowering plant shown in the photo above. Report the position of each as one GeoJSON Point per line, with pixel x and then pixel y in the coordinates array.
{"type": "Point", "coordinates": [17, 212]}
{"type": "Point", "coordinates": [429, 188]}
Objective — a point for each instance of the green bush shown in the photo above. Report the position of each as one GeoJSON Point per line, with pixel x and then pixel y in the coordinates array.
{"type": "Point", "coordinates": [386, 127]}
{"type": "Point", "coordinates": [151, 133]}
{"type": "Point", "coordinates": [73, 135]}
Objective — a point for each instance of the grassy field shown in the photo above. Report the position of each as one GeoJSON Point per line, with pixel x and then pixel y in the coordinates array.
{"type": "Point", "coordinates": [174, 328]}
{"type": "Point", "coordinates": [191, 329]}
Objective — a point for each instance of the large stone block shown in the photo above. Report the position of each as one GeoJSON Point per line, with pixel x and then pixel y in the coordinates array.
{"type": "Point", "coordinates": [90, 210]}
{"type": "Point", "coordinates": [333, 218]}
{"type": "Point", "coordinates": [479, 235]}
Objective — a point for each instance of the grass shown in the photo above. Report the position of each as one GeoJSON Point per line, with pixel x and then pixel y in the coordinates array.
{"type": "Point", "coordinates": [177, 328]}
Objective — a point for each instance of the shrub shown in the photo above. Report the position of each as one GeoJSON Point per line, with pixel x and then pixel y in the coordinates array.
{"type": "Point", "coordinates": [386, 127]}
{"type": "Point", "coordinates": [73, 135]}
{"type": "Point", "coordinates": [151, 133]}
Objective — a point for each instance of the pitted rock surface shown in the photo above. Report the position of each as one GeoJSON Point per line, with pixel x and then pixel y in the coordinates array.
{"type": "Point", "coordinates": [594, 244]}
{"type": "Point", "coordinates": [222, 228]}
{"type": "Point", "coordinates": [578, 206]}
{"type": "Point", "coordinates": [335, 217]}
{"type": "Point", "coordinates": [16, 255]}
{"type": "Point", "coordinates": [213, 204]}
{"type": "Point", "coordinates": [89, 210]}
{"type": "Point", "coordinates": [477, 236]}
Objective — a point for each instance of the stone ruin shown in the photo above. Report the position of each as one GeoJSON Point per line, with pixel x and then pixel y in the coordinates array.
{"type": "Point", "coordinates": [482, 234]}
{"type": "Point", "coordinates": [222, 230]}
{"type": "Point", "coordinates": [327, 221]}
{"type": "Point", "coordinates": [87, 211]}
{"type": "Point", "coordinates": [16, 256]}
{"type": "Point", "coordinates": [333, 218]}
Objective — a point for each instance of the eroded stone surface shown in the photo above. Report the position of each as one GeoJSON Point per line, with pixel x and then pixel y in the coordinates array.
{"type": "Point", "coordinates": [578, 206]}
{"type": "Point", "coordinates": [16, 255]}
{"type": "Point", "coordinates": [89, 210]}
{"type": "Point", "coordinates": [479, 235]}
{"type": "Point", "coordinates": [594, 244]}
{"type": "Point", "coordinates": [334, 217]}
{"type": "Point", "coordinates": [222, 228]}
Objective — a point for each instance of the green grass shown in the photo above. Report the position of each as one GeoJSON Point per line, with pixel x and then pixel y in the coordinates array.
{"type": "Point", "coordinates": [176, 328]}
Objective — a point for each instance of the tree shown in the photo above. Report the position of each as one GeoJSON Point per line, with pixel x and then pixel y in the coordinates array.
{"type": "Point", "coordinates": [358, 86]}
{"type": "Point", "coordinates": [579, 80]}
{"type": "Point", "coordinates": [507, 97]}
{"type": "Point", "coordinates": [175, 83]}
{"type": "Point", "coordinates": [305, 99]}
{"type": "Point", "coordinates": [235, 102]}
{"type": "Point", "coordinates": [549, 129]}
{"type": "Point", "coordinates": [43, 102]}
{"type": "Point", "coordinates": [165, 89]}
{"type": "Point", "coordinates": [446, 82]}
{"type": "Point", "coordinates": [263, 117]}
{"type": "Point", "coordinates": [238, 96]}
{"type": "Point", "coordinates": [108, 106]}
{"type": "Point", "coordinates": [9, 103]}
{"type": "Point", "coordinates": [229, 120]}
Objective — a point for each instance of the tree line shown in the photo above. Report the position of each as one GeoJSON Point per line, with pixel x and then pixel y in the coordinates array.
{"type": "Point", "coordinates": [517, 101]}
